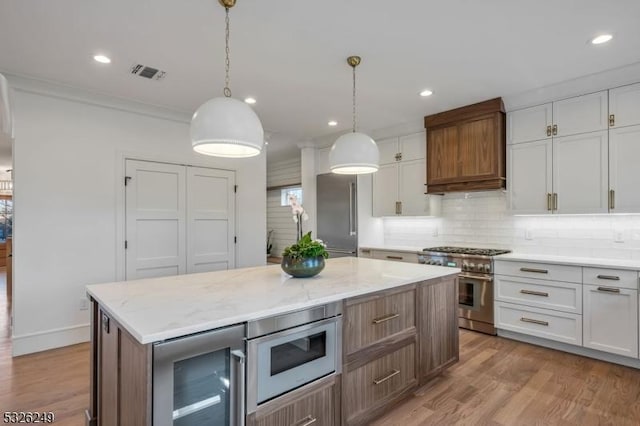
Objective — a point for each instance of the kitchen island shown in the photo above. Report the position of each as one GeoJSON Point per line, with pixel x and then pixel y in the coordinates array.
{"type": "Point", "coordinates": [128, 318]}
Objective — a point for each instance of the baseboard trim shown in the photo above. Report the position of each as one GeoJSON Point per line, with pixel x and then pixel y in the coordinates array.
{"type": "Point", "coordinates": [576, 350]}
{"type": "Point", "coordinates": [50, 339]}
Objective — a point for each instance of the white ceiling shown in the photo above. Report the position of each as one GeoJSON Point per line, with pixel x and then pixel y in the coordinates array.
{"type": "Point", "coordinates": [290, 54]}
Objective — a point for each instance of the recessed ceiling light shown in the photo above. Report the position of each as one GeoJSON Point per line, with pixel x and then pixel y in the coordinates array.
{"type": "Point", "coordinates": [426, 92]}
{"type": "Point", "coordinates": [603, 38]}
{"type": "Point", "coordinates": [333, 123]}
{"type": "Point", "coordinates": [102, 59]}
{"type": "Point", "coordinates": [250, 101]}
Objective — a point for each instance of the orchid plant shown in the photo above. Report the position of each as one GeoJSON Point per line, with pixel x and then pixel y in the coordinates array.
{"type": "Point", "coordinates": [299, 214]}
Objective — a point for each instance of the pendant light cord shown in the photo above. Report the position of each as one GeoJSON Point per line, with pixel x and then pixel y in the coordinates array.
{"type": "Point", "coordinates": [354, 99]}
{"type": "Point", "coordinates": [227, 89]}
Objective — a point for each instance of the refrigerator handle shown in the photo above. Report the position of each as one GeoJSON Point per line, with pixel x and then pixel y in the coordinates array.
{"type": "Point", "coordinates": [238, 381]}
{"type": "Point", "coordinates": [353, 219]}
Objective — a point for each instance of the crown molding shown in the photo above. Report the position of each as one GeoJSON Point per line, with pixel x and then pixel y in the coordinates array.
{"type": "Point", "coordinates": [28, 84]}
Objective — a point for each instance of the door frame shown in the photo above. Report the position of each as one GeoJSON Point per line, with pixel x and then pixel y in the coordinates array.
{"type": "Point", "coordinates": [121, 216]}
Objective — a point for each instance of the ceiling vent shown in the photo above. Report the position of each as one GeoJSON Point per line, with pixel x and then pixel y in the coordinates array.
{"type": "Point", "coordinates": [147, 72]}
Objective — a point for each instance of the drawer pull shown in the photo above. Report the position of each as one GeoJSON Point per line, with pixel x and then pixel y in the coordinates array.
{"type": "Point", "coordinates": [609, 277]}
{"type": "Point", "coordinates": [609, 289]}
{"type": "Point", "coordinates": [387, 377]}
{"type": "Point", "coordinates": [309, 420]}
{"type": "Point", "coordinates": [535, 293]}
{"type": "Point", "coordinates": [534, 321]}
{"type": "Point", "coordinates": [537, 271]}
{"type": "Point", "coordinates": [365, 250]}
{"type": "Point", "coordinates": [385, 318]}
{"type": "Point", "coordinates": [395, 257]}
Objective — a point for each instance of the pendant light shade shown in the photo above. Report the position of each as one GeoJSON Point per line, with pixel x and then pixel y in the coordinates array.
{"type": "Point", "coordinates": [354, 153]}
{"type": "Point", "coordinates": [226, 127]}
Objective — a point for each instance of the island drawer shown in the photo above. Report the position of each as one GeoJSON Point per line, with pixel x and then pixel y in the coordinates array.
{"type": "Point", "coordinates": [378, 382]}
{"type": "Point", "coordinates": [545, 323]}
{"type": "Point", "coordinates": [611, 278]}
{"type": "Point", "coordinates": [542, 271]}
{"type": "Point", "coordinates": [316, 404]}
{"type": "Point", "coordinates": [556, 295]}
{"type": "Point", "coordinates": [370, 319]}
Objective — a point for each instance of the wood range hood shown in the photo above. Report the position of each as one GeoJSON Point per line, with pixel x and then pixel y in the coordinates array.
{"type": "Point", "coordinates": [466, 148]}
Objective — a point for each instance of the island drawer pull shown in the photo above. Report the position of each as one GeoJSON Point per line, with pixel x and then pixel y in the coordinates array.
{"type": "Point", "coordinates": [387, 377]}
{"type": "Point", "coordinates": [537, 271]}
{"type": "Point", "coordinates": [395, 257]}
{"type": "Point", "coordinates": [309, 420]}
{"type": "Point", "coordinates": [534, 321]}
{"type": "Point", "coordinates": [609, 277]}
{"type": "Point", "coordinates": [535, 293]}
{"type": "Point", "coordinates": [609, 289]}
{"type": "Point", "coordinates": [384, 318]}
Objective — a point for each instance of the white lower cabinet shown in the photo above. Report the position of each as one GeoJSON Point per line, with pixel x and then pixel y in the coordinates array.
{"type": "Point", "coordinates": [611, 319]}
{"type": "Point", "coordinates": [545, 323]}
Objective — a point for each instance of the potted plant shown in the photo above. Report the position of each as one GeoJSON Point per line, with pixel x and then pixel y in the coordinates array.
{"type": "Point", "coordinates": [306, 257]}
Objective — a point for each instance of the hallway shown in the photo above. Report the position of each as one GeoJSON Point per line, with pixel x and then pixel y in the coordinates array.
{"type": "Point", "coordinates": [56, 380]}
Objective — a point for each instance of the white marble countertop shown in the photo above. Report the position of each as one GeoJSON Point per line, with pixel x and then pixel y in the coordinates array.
{"type": "Point", "coordinates": [156, 309]}
{"type": "Point", "coordinates": [629, 264]}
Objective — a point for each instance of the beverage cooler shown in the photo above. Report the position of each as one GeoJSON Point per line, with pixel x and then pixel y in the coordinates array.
{"type": "Point", "coordinates": [199, 380]}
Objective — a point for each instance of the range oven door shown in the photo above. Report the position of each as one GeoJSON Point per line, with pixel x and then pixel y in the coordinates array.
{"type": "Point", "coordinates": [286, 360]}
{"type": "Point", "coordinates": [475, 297]}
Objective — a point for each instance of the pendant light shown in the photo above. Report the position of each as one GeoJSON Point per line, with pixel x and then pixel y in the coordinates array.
{"type": "Point", "coordinates": [226, 127]}
{"type": "Point", "coordinates": [354, 153]}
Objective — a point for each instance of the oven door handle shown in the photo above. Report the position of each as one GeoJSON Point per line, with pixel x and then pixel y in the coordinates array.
{"type": "Point", "coordinates": [476, 277]}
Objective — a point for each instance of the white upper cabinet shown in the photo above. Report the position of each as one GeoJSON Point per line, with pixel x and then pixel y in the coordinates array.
{"type": "Point", "coordinates": [399, 184]}
{"type": "Point", "coordinates": [582, 114]}
{"type": "Point", "coordinates": [529, 167]}
{"type": "Point", "coordinates": [388, 150]}
{"type": "Point", "coordinates": [580, 173]}
{"type": "Point", "coordinates": [624, 106]}
{"type": "Point", "coordinates": [404, 148]}
{"type": "Point", "coordinates": [624, 172]}
{"type": "Point", "coordinates": [530, 124]}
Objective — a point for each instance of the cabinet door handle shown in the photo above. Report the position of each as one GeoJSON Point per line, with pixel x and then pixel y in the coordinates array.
{"type": "Point", "coordinates": [609, 289]}
{"type": "Point", "coordinates": [395, 257]}
{"type": "Point", "coordinates": [105, 323]}
{"type": "Point", "coordinates": [612, 199]}
{"type": "Point", "coordinates": [397, 207]}
{"type": "Point", "coordinates": [387, 377]}
{"type": "Point", "coordinates": [555, 201]}
{"type": "Point", "coordinates": [609, 277]}
{"type": "Point", "coordinates": [548, 130]}
{"type": "Point", "coordinates": [537, 271]}
{"type": "Point", "coordinates": [385, 318]}
{"type": "Point", "coordinates": [534, 321]}
{"type": "Point", "coordinates": [535, 293]}
{"type": "Point", "coordinates": [612, 120]}
{"type": "Point", "coordinates": [549, 206]}
{"type": "Point", "coordinates": [555, 129]}
{"type": "Point", "coordinates": [309, 420]}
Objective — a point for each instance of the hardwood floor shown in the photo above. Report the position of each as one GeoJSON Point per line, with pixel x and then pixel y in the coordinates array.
{"type": "Point", "coordinates": [496, 382]}
{"type": "Point", "coordinates": [56, 380]}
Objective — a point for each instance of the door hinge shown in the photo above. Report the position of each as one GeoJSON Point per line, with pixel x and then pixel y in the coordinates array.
{"type": "Point", "coordinates": [235, 240]}
{"type": "Point", "coordinates": [126, 244]}
{"type": "Point", "coordinates": [126, 180]}
{"type": "Point", "coordinates": [235, 188]}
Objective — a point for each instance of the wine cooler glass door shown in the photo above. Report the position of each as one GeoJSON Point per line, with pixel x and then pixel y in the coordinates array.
{"type": "Point", "coordinates": [199, 380]}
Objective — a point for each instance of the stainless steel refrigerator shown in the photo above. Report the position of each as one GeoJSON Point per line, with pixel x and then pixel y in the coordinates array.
{"type": "Point", "coordinates": [338, 213]}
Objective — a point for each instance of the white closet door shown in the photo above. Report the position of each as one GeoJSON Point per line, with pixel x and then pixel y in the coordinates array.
{"type": "Point", "coordinates": [210, 220]}
{"type": "Point", "coordinates": [155, 220]}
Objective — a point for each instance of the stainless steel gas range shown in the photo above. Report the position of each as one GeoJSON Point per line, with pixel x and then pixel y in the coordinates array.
{"type": "Point", "coordinates": [475, 297]}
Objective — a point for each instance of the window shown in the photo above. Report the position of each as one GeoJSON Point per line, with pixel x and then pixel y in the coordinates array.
{"type": "Point", "coordinates": [286, 192]}
{"type": "Point", "coordinates": [6, 219]}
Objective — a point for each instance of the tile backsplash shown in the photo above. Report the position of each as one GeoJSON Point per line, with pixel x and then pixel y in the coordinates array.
{"type": "Point", "coordinates": [481, 219]}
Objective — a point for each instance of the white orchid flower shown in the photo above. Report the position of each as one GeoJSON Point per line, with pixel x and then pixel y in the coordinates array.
{"type": "Point", "coordinates": [305, 216]}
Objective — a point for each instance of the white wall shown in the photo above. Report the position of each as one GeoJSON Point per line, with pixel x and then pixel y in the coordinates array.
{"type": "Point", "coordinates": [68, 161]}
{"type": "Point", "coordinates": [279, 218]}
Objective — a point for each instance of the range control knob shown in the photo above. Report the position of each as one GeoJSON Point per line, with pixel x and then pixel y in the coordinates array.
{"type": "Point", "coordinates": [472, 266]}
{"type": "Point", "coordinates": [465, 266]}
{"type": "Point", "coordinates": [439, 263]}
{"type": "Point", "coordinates": [487, 268]}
